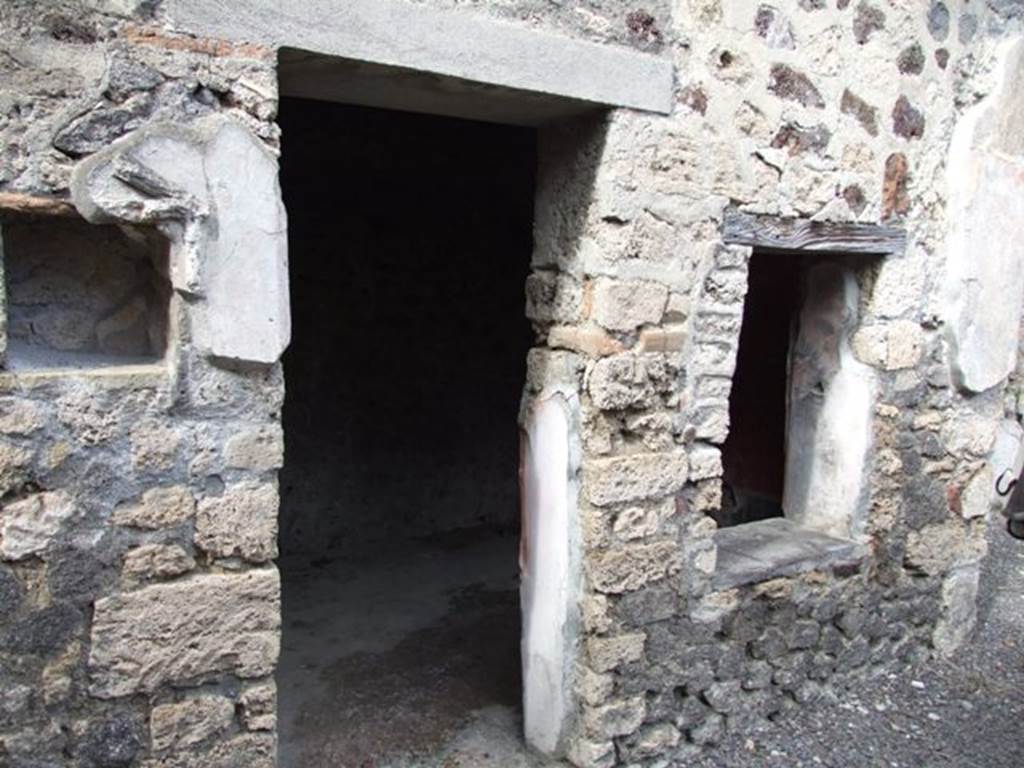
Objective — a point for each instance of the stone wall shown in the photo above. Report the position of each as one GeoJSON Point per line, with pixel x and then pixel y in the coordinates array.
{"type": "Point", "coordinates": [140, 602]}
{"type": "Point", "coordinates": [833, 112]}
{"type": "Point", "coordinates": [139, 599]}
{"type": "Point", "coordinates": [642, 26]}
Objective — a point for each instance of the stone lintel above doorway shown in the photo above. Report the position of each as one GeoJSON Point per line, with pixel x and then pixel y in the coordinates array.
{"type": "Point", "coordinates": [553, 75]}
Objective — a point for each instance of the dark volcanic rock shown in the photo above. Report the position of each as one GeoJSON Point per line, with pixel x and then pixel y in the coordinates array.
{"type": "Point", "coordinates": [907, 121]}
{"type": "Point", "coordinates": [911, 60]}
{"type": "Point", "coordinates": [938, 21]}
{"type": "Point", "coordinates": [866, 115]}
{"type": "Point", "coordinates": [111, 743]}
{"type": "Point", "coordinates": [792, 84]}
{"type": "Point", "coordinates": [798, 139]}
{"type": "Point", "coordinates": [43, 632]}
{"type": "Point", "coordinates": [867, 21]}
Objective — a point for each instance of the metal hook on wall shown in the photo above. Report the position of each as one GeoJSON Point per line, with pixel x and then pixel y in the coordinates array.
{"type": "Point", "coordinates": [1009, 486]}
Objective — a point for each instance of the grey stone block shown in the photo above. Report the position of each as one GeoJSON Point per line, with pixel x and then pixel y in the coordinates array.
{"type": "Point", "coordinates": [77, 575]}
{"type": "Point", "coordinates": [11, 592]}
{"type": "Point", "coordinates": [112, 743]}
{"type": "Point", "coordinates": [770, 645]}
{"type": "Point", "coordinates": [465, 46]}
{"type": "Point", "coordinates": [192, 629]}
{"type": "Point", "coordinates": [43, 632]}
{"type": "Point", "coordinates": [767, 549]}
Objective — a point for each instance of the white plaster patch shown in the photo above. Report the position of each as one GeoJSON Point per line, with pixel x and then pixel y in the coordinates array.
{"type": "Point", "coordinates": [985, 244]}
{"type": "Point", "coordinates": [246, 273]}
{"type": "Point", "coordinates": [831, 400]}
{"type": "Point", "coordinates": [212, 189]}
{"type": "Point", "coordinates": [549, 560]}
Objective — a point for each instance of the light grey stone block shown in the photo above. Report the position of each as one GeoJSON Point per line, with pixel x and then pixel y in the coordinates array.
{"type": "Point", "coordinates": [455, 44]}
{"type": "Point", "coordinates": [767, 549]}
{"type": "Point", "coordinates": [186, 631]}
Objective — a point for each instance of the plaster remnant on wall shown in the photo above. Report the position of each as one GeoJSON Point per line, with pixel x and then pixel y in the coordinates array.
{"type": "Point", "coordinates": [549, 563]}
{"type": "Point", "coordinates": [985, 174]}
{"type": "Point", "coordinates": [830, 399]}
{"type": "Point", "coordinates": [203, 187]}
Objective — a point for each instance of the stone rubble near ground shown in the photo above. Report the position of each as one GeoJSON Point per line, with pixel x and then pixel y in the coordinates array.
{"type": "Point", "coordinates": [963, 712]}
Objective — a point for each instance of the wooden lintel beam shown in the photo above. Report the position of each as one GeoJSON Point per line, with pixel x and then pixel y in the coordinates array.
{"type": "Point", "coordinates": [794, 234]}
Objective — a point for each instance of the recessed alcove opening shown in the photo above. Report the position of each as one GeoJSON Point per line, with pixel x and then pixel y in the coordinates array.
{"type": "Point", "coordinates": [800, 414]}
{"type": "Point", "coordinates": [409, 244]}
{"type": "Point", "coordinates": [82, 296]}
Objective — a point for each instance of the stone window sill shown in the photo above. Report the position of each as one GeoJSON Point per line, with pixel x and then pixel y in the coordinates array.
{"type": "Point", "coordinates": [756, 552]}
{"type": "Point", "coordinates": [111, 372]}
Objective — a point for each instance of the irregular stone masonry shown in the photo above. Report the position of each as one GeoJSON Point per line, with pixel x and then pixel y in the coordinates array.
{"type": "Point", "coordinates": [139, 605]}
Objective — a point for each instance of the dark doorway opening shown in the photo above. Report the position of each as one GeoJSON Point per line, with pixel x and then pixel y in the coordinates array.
{"type": "Point", "coordinates": [754, 454]}
{"type": "Point", "coordinates": [409, 244]}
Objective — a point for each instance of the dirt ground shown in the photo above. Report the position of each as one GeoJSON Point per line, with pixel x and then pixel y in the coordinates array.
{"type": "Point", "coordinates": [410, 660]}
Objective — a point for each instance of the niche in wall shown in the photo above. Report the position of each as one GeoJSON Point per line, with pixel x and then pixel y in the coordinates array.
{"type": "Point", "coordinates": [801, 403]}
{"type": "Point", "coordinates": [79, 295]}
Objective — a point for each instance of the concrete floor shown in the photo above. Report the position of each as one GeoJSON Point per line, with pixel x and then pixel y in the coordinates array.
{"type": "Point", "coordinates": [407, 658]}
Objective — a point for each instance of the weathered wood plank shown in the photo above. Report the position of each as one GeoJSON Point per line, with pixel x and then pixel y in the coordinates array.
{"type": "Point", "coordinates": [794, 234]}
{"type": "Point", "coordinates": [12, 202]}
